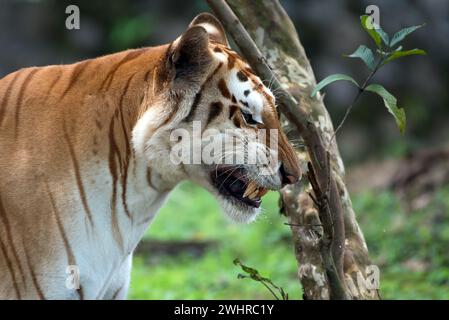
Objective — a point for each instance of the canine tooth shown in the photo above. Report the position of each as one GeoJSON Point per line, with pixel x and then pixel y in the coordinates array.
{"type": "Point", "coordinates": [254, 194]}
{"type": "Point", "coordinates": [246, 192]}
{"type": "Point", "coordinates": [250, 189]}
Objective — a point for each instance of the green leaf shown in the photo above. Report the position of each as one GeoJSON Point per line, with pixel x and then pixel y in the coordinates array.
{"type": "Point", "coordinates": [332, 78]}
{"type": "Point", "coordinates": [364, 53]}
{"type": "Point", "coordinates": [368, 25]}
{"type": "Point", "coordinates": [391, 104]}
{"type": "Point", "coordinates": [401, 34]}
{"type": "Point", "coordinates": [251, 271]}
{"type": "Point", "coordinates": [399, 54]}
{"type": "Point", "coordinates": [375, 31]}
{"type": "Point", "coordinates": [384, 36]}
{"type": "Point", "coordinates": [254, 275]}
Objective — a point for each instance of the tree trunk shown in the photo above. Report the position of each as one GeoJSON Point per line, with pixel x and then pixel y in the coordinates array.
{"type": "Point", "coordinates": [276, 37]}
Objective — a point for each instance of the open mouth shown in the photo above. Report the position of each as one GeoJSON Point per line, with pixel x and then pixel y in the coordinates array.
{"type": "Point", "coordinates": [233, 183]}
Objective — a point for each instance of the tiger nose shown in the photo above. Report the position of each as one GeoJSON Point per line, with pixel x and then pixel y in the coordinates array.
{"type": "Point", "coordinates": [287, 177]}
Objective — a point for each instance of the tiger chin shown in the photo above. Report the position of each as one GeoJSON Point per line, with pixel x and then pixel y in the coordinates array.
{"type": "Point", "coordinates": [97, 143]}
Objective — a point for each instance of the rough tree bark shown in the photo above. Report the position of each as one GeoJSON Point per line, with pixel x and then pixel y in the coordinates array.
{"type": "Point", "coordinates": [276, 37]}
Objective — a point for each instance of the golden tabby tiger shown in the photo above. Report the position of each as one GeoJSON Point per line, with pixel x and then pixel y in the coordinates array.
{"type": "Point", "coordinates": [85, 157]}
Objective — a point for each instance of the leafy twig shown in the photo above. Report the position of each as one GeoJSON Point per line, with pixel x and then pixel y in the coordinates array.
{"type": "Point", "coordinates": [356, 98]}
{"type": "Point", "coordinates": [387, 51]}
{"type": "Point", "coordinates": [255, 275]}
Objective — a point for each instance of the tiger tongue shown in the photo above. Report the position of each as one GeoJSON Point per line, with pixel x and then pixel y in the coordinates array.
{"type": "Point", "coordinates": [262, 192]}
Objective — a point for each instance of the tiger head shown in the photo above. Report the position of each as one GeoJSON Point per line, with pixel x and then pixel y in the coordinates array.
{"type": "Point", "coordinates": [211, 120]}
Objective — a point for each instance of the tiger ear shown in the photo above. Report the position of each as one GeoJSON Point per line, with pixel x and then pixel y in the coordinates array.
{"type": "Point", "coordinates": [213, 27]}
{"type": "Point", "coordinates": [190, 56]}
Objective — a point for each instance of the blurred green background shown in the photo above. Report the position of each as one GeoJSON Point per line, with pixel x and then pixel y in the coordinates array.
{"type": "Point", "coordinates": [399, 184]}
{"type": "Point", "coordinates": [409, 248]}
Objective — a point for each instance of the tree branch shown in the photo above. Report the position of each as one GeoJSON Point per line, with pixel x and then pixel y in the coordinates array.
{"type": "Point", "coordinates": [324, 185]}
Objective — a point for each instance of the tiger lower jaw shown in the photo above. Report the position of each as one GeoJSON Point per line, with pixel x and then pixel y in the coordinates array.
{"type": "Point", "coordinates": [240, 196]}
{"type": "Point", "coordinates": [237, 212]}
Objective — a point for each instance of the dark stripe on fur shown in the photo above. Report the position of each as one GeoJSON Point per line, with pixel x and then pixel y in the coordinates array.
{"type": "Point", "coordinates": [113, 152]}
{"type": "Point", "coordinates": [114, 296]}
{"type": "Point", "coordinates": [10, 241]}
{"type": "Point", "coordinates": [10, 269]}
{"type": "Point", "coordinates": [215, 110]}
{"type": "Point", "coordinates": [6, 96]}
{"type": "Point", "coordinates": [52, 85]}
{"type": "Point", "coordinates": [197, 99]}
{"type": "Point", "coordinates": [242, 76]}
{"type": "Point", "coordinates": [33, 275]}
{"type": "Point", "coordinates": [79, 181]}
{"type": "Point", "coordinates": [233, 110]}
{"type": "Point", "coordinates": [22, 90]}
{"type": "Point", "coordinates": [224, 89]}
{"type": "Point", "coordinates": [128, 151]}
{"type": "Point", "coordinates": [5, 254]}
{"type": "Point", "coordinates": [65, 240]}
{"type": "Point", "coordinates": [127, 58]}
{"type": "Point", "coordinates": [76, 73]}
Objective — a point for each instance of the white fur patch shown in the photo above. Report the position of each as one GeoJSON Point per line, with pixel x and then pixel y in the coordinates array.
{"type": "Point", "coordinates": [254, 98]}
{"type": "Point", "coordinates": [143, 129]}
{"type": "Point", "coordinates": [221, 57]}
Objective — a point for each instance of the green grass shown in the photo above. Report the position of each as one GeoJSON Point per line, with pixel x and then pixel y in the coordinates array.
{"type": "Point", "coordinates": [411, 248]}
{"type": "Point", "coordinates": [396, 240]}
{"type": "Point", "coordinates": [191, 213]}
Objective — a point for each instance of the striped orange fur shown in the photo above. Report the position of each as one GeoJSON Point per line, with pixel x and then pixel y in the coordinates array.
{"type": "Point", "coordinates": [84, 163]}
